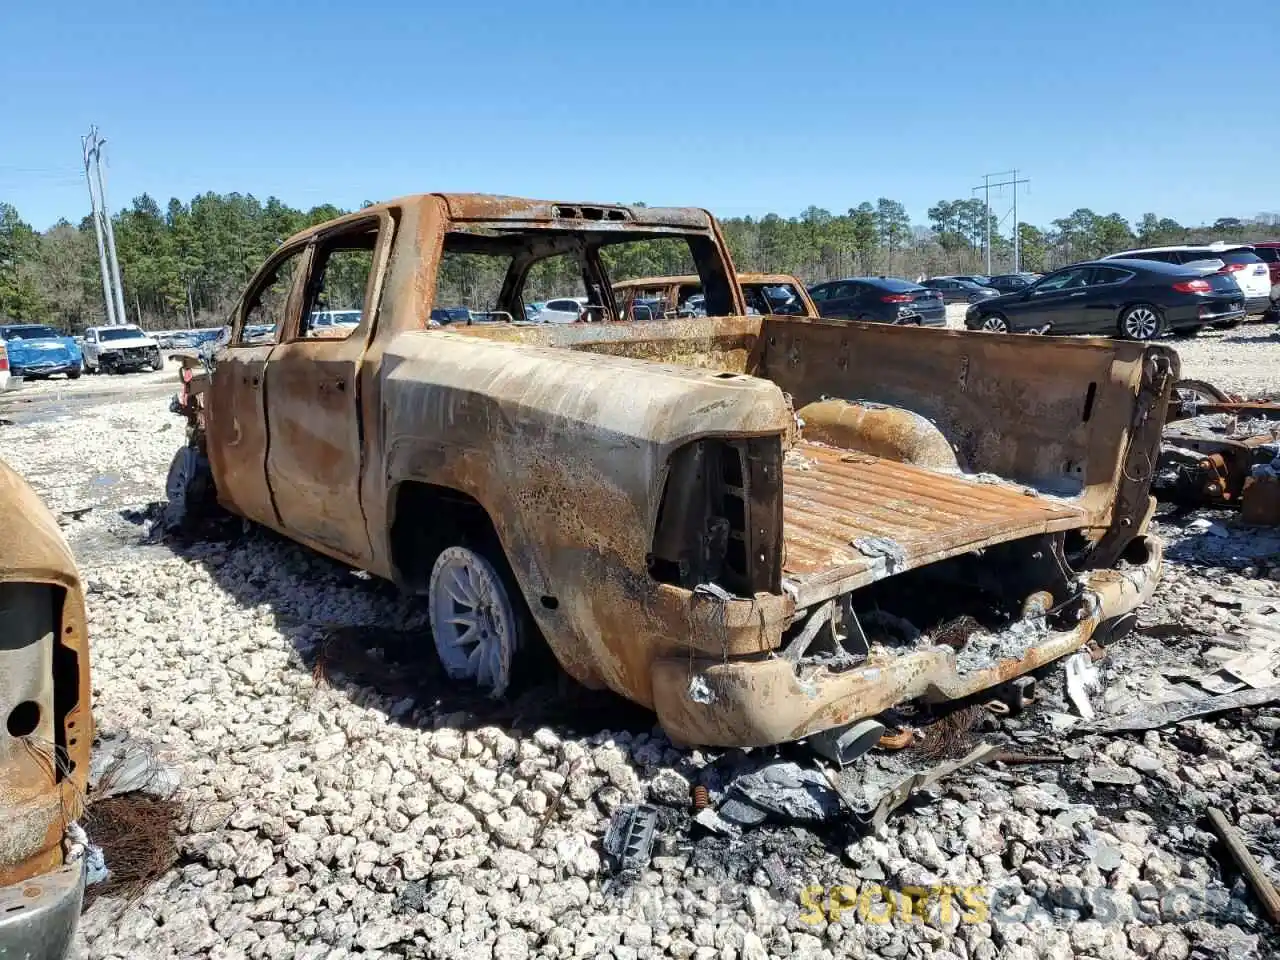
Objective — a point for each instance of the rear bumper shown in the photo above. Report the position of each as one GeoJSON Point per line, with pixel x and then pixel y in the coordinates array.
{"type": "Point", "coordinates": [1259, 304]}
{"type": "Point", "coordinates": [43, 369]}
{"type": "Point", "coordinates": [1199, 314]}
{"type": "Point", "coordinates": [766, 699]}
{"type": "Point", "coordinates": [38, 917]}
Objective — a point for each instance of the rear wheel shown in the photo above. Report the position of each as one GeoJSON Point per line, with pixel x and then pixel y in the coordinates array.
{"type": "Point", "coordinates": [75, 374]}
{"type": "Point", "coordinates": [995, 323]}
{"type": "Point", "coordinates": [1140, 322]}
{"type": "Point", "coordinates": [476, 621]}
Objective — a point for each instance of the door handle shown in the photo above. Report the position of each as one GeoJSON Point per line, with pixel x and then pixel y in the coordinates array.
{"type": "Point", "coordinates": [1081, 294]}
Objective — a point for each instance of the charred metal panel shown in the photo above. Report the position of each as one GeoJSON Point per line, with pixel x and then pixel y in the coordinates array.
{"type": "Point", "coordinates": [44, 686]}
{"type": "Point", "coordinates": [756, 702]}
{"type": "Point", "coordinates": [1010, 406]}
{"type": "Point", "coordinates": [568, 452]}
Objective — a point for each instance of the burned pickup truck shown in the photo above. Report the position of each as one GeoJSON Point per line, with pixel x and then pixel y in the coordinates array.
{"type": "Point", "coordinates": [763, 527]}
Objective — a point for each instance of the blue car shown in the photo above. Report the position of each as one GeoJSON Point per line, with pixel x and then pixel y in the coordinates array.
{"type": "Point", "coordinates": [36, 350]}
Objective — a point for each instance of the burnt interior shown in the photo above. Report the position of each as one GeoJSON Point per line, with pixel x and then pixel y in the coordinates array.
{"type": "Point", "coordinates": [947, 601]}
{"type": "Point", "coordinates": [720, 517]}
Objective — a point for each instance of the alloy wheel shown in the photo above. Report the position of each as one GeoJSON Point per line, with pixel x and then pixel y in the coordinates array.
{"type": "Point", "coordinates": [1141, 323]}
{"type": "Point", "coordinates": [473, 621]}
{"type": "Point", "coordinates": [995, 325]}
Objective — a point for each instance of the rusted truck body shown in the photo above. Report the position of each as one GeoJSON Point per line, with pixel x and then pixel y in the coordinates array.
{"type": "Point", "coordinates": [44, 747]}
{"type": "Point", "coordinates": [728, 519]}
{"type": "Point", "coordinates": [667, 298]}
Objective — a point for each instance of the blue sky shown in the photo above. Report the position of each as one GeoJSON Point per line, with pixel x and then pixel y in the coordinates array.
{"type": "Point", "coordinates": [742, 107]}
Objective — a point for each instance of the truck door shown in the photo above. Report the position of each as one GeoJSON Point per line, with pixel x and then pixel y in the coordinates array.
{"type": "Point", "coordinates": [313, 391]}
{"type": "Point", "coordinates": [237, 428]}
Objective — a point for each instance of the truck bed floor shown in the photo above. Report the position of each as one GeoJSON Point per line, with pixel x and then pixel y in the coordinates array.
{"type": "Point", "coordinates": [834, 498]}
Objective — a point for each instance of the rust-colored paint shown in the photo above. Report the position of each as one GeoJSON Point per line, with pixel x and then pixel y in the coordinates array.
{"type": "Point", "coordinates": [36, 801]}
{"type": "Point", "coordinates": [564, 435]}
{"type": "Point", "coordinates": [756, 702]}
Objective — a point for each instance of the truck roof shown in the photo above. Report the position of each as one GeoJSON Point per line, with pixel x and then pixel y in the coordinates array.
{"type": "Point", "coordinates": [486, 207]}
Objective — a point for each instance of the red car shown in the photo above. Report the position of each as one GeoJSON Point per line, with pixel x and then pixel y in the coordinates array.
{"type": "Point", "coordinates": [1269, 250]}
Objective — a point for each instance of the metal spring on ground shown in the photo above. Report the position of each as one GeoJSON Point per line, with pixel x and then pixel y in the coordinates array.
{"type": "Point", "coordinates": [701, 798]}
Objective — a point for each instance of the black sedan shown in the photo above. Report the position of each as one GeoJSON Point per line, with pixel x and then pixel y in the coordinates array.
{"type": "Point", "coordinates": [880, 300]}
{"type": "Point", "coordinates": [1134, 299]}
{"type": "Point", "coordinates": [960, 289]}
{"type": "Point", "coordinates": [1012, 282]}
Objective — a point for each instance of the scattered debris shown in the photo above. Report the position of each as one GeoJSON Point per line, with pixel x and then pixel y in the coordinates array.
{"type": "Point", "coordinates": [890, 551]}
{"type": "Point", "coordinates": [713, 822]}
{"type": "Point", "coordinates": [843, 745]}
{"type": "Point", "coordinates": [121, 766]}
{"type": "Point", "coordinates": [701, 797]}
{"type": "Point", "coordinates": [1262, 887]}
{"type": "Point", "coordinates": [629, 841]}
{"type": "Point", "coordinates": [553, 808]}
{"type": "Point", "coordinates": [1164, 714]}
{"type": "Point", "coordinates": [136, 834]}
{"type": "Point", "coordinates": [1082, 680]}
{"type": "Point", "coordinates": [896, 797]}
{"type": "Point", "coordinates": [783, 789]}
{"type": "Point", "coordinates": [95, 863]}
{"type": "Point", "coordinates": [1204, 525]}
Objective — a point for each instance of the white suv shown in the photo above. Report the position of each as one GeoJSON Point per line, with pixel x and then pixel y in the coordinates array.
{"type": "Point", "coordinates": [119, 349]}
{"type": "Point", "coordinates": [1238, 260]}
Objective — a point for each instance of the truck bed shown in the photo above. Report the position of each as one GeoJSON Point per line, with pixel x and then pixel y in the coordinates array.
{"type": "Point", "coordinates": [834, 498]}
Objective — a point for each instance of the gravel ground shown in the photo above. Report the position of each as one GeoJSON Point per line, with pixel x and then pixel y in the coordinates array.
{"type": "Point", "coordinates": [378, 813]}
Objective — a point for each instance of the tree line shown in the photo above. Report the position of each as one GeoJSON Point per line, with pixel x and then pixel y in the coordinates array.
{"type": "Point", "coordinates": [185, 264]}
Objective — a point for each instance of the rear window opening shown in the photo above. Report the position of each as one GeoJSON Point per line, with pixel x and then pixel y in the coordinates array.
{"type": "Point", "coordinates": [516, 275]}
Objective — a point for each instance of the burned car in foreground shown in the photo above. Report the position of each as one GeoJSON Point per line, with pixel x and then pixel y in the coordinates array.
{"type": "Point", "coordinates": [48, 731]}
{"type": "Point", "coordinates": [764, 527]}
{"type": "Point", "coordinates": [1223, 451]}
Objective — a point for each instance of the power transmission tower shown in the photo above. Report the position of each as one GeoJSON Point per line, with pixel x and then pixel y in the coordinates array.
{"type": "Point", "coordinates": [112, 288]}
{"type": "Point", "coordinates": [986, 189]}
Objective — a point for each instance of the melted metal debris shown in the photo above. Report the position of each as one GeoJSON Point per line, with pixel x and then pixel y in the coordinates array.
{"type": "Point", "coordinates": [700, 691]}
{"type": "Point", "coordinates": [985, 649]}
{"type": "Point", "coordinates": [890, 551]}
{"type": "Point", "coordinates": [795, 460]}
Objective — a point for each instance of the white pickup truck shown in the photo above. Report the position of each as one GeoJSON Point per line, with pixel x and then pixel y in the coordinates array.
{"type": "Point", "coordinates": [120, 349]}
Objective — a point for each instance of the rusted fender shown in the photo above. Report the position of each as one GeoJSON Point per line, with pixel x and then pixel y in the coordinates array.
{"type": "Point", "coordinates": [44, 685]}
{"type": "Point", "coordinates": [568, 452]}
{"type": "Point", "coordinates": [764, 700]}
{"type": "Point", "coordinates": [889, 432]}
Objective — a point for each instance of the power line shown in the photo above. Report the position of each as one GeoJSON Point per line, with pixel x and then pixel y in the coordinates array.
{"type": "Point", "coordinates": [985, 187]}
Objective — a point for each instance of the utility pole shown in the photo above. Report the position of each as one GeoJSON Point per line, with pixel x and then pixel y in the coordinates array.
{"type": "Point", "coordinates": [92, 145]}
{"type": "Point", "coordinates": [108, 303]}
{"type": "Point", "coordinates": [986, 189]}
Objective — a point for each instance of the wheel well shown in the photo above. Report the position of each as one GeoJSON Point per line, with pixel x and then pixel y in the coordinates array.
{"type": "Point", "coordinates": [426, 519]}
